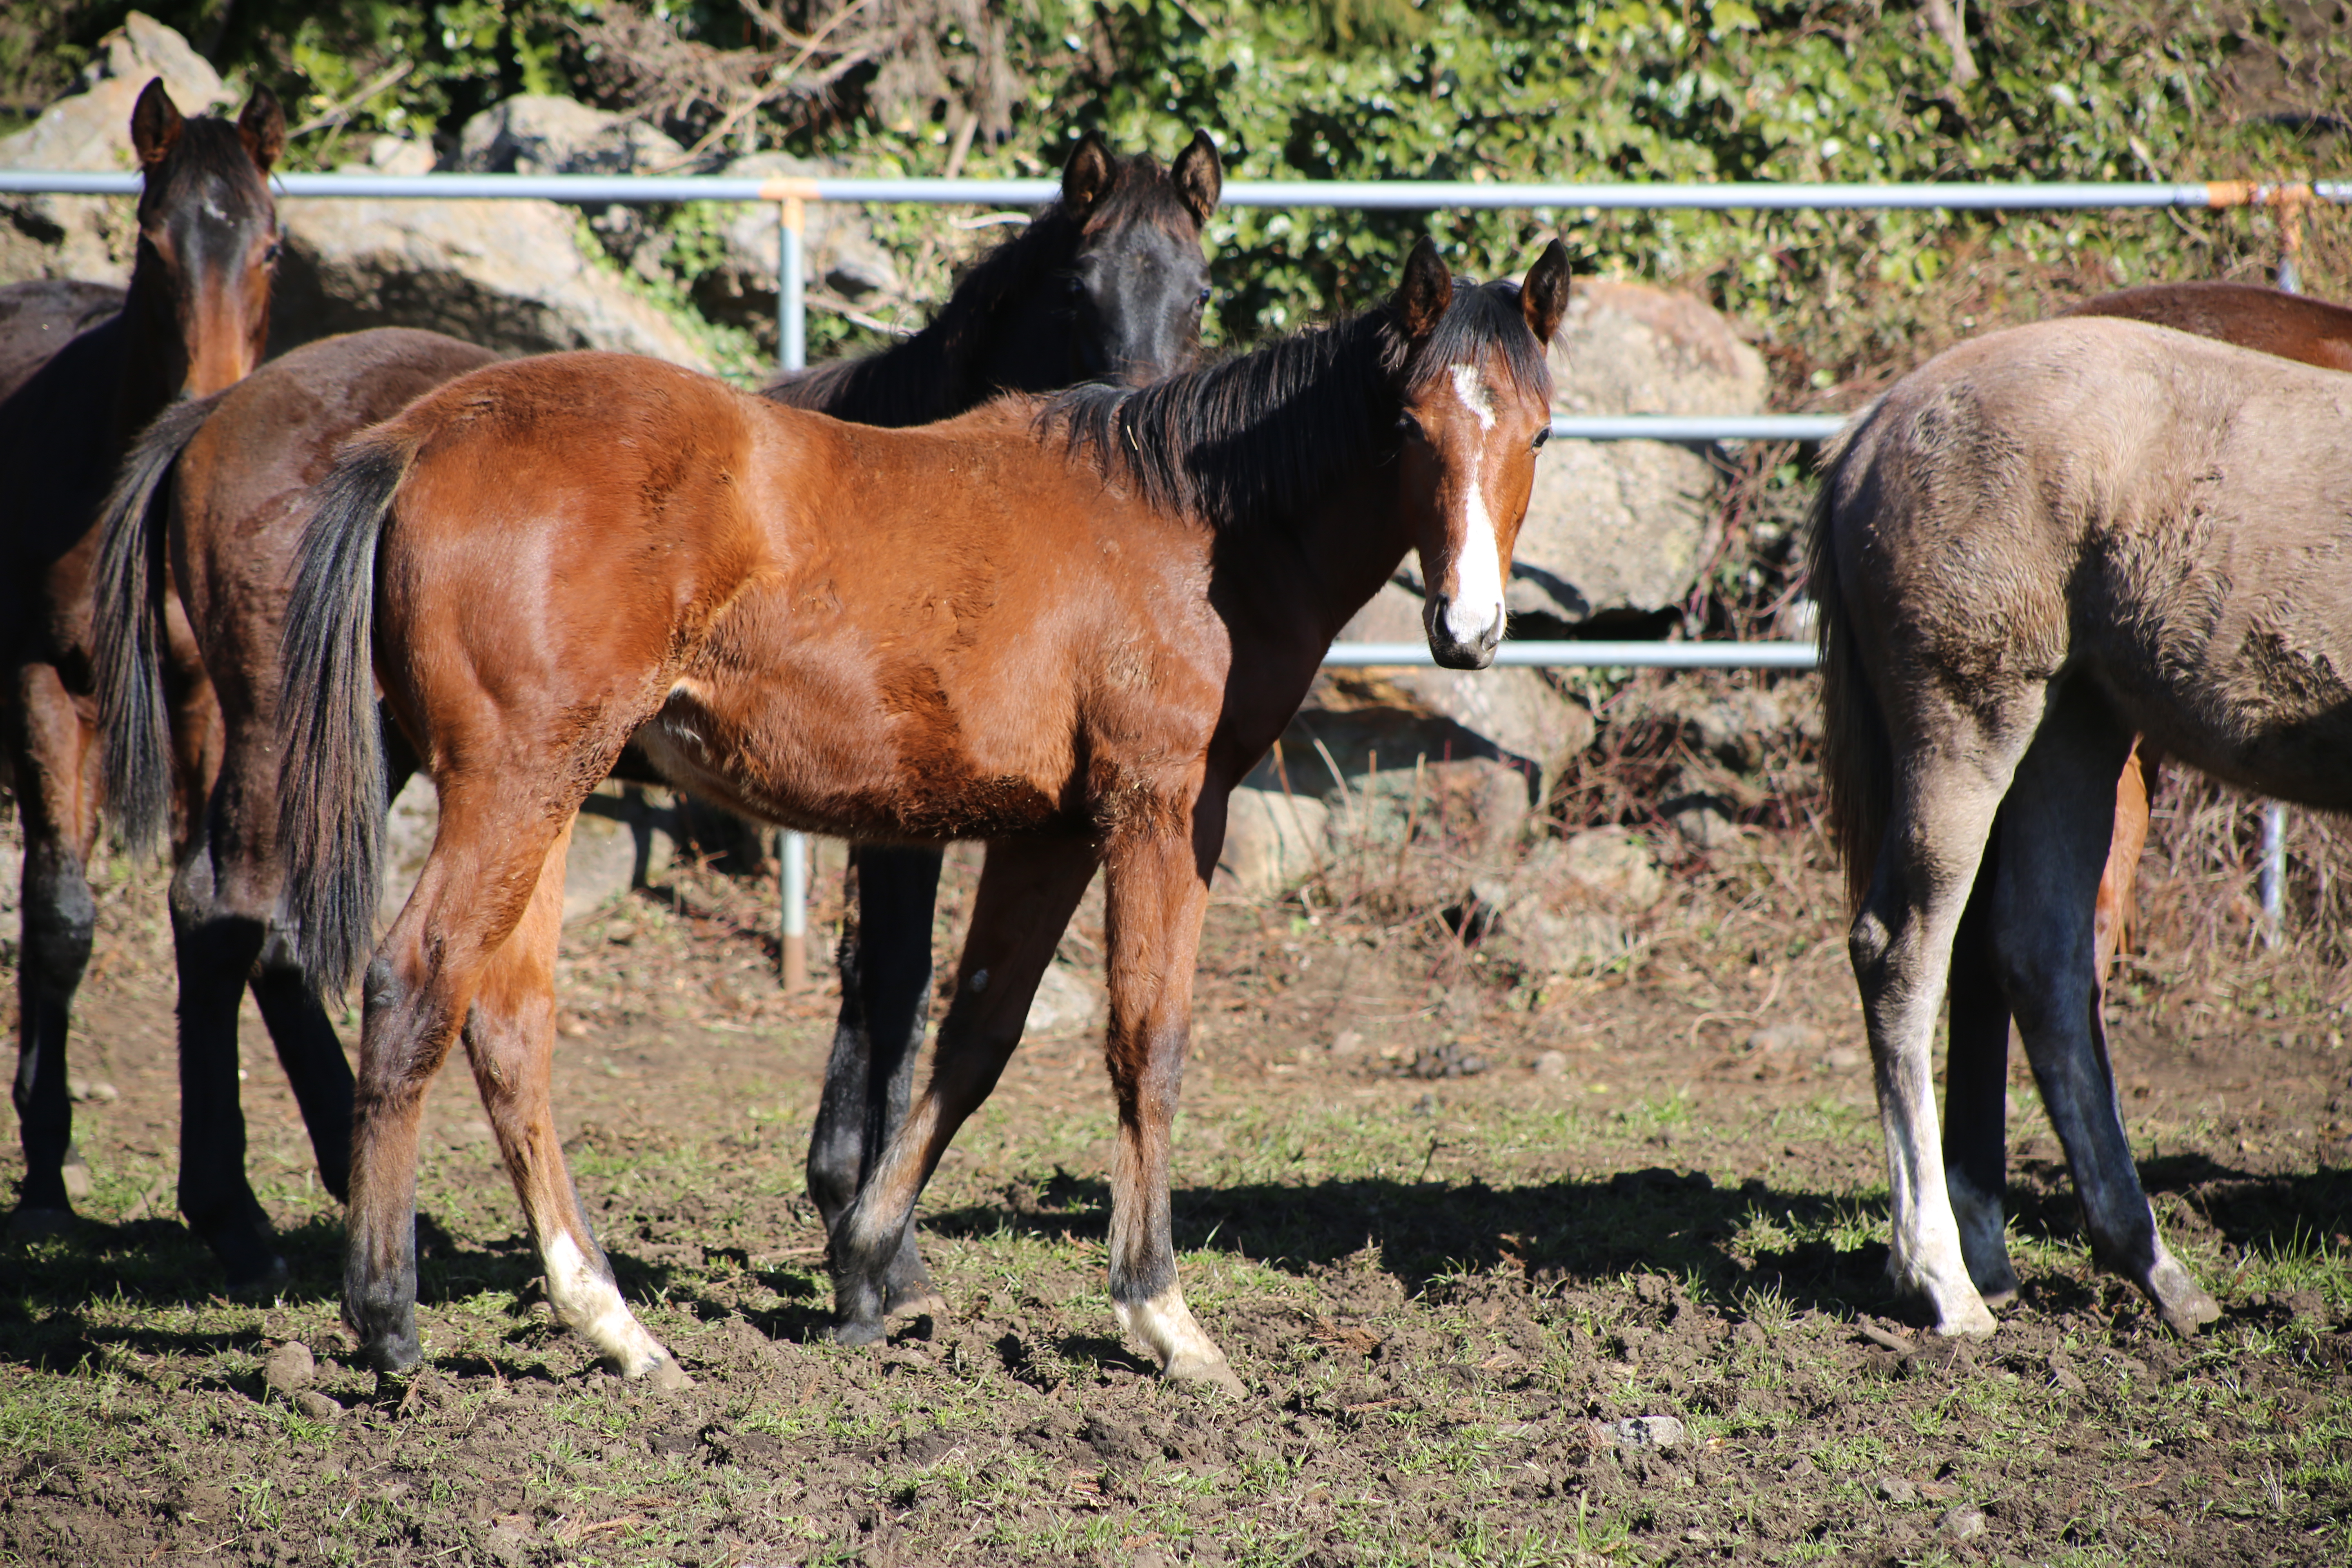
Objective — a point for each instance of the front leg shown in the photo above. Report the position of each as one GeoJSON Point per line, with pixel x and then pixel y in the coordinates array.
{"type": "Point", "coordinates": [1027, 888]}
{"type": "Point", "coordinates": [1155, 894]}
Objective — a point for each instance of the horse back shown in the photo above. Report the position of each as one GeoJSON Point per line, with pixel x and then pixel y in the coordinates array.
{"type": "Point", "coordinates": [2291, 326]}
{"type": "Point", "coordinates": [2168, 516]}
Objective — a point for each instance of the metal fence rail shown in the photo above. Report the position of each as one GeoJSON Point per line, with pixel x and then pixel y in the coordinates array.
{"type": "Point", "coordinates": [793, 194]}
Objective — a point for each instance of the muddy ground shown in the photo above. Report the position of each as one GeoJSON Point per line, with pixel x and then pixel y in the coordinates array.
{"type": "Point", "coordinates": [1449, 1297]}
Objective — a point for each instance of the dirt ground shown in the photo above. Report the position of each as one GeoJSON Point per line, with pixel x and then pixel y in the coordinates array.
{"type": "Point", "coordinates": [1457, 1301]}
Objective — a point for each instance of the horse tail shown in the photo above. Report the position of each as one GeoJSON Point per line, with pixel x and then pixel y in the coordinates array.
{"type": "Point", "coordinates": [134, 714]}
{"type": "Point", "coordinates": [330, 804]}
{"type": "Point", "coordinates": [1857, 761]}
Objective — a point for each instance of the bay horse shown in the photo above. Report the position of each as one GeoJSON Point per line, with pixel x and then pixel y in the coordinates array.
{"type": "Point", "coordinates": [1977, 1065]}
{"type": "Point", "coordinates": [193, 321]}
{"type": "Point", "coordinates": [1066, 627]}
{"type": "Point", "coordinates": [206, 519]}
{"type": "Point", "coordinates": [2040, 543]}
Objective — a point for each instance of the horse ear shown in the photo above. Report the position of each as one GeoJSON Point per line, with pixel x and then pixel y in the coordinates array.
{"type": "Point", "coordinates": [1198, 175]}
{"type": "Point", "coordinates": [1426, 291]}
{"type": "Point", "coordinates": [1543, 298]}
{"type": "Point", "coordinates": [263, 127]}
{"type": "Point", "coordinates": [154, 124]}
{"type": "Point", "coordinates": [1087, 175]}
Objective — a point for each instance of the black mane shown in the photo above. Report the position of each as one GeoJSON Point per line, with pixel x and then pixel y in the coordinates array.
{"type": "Point", "coordinates": [1261, 436]}
{"type": "Point", "coordinates": [936, 374]}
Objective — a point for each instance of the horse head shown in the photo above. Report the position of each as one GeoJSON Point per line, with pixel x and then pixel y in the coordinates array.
{"type": "Point", "coordinates": [1113, 281]}
{"type": "Point", "coordinates": [207, 237]}
{"type": "Point", "coordinates": [1476, 407]}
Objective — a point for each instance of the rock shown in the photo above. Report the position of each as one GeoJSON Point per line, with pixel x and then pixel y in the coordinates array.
{"type": "Point", "coordinates": [1347, 1044]}
{"type": "Point", "coordinates": [508, 275]}
{"type": "Point", "coordinates": [92, 238]}
{"type": "Point", "coordinates": [317, 1405]}
{"type": "Point", "coordinates": [1895, 1490]}
{"type": "Point", "coordinates": [1273, 841]}
{"type": "Point", "coordinates": [1964, 1523]}
{"type": "Point", "coordinates": [1612, 862]}
{"type": "Point", "coordinates": [1552, 1063]}
{"type": "Point", "coordinates": [289, 1368]}
{"type": "Point", "coordinates": [1544, 941]}
{"type": "Point", "coordinates": [1628, 525]}
{"type": "Point", "coordinates": [625, 834]}
{"type": "Point", "coordinates": [542, 133]}
{"type": "Point", "coordinates": [1651, 1432]}
{"type": "Point", "coordinates": [75, 1173]}
{"type": "Point", "coordinates": [1066, 1002]}
{"type": "Point", "coordinates": [1845, 1058]}
{"type": "Point", "coordinates": [1792, 1035]}
{"type": "Point", "coordinates": [1703, 823]}
{"type": "Point", "coordinates": [92, 1091]}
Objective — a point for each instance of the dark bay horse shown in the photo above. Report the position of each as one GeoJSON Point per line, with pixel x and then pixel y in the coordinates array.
{"type": "Point", "coordinates": [1108, 275]}
{"type": "Point", "coordinates": [1066, 627]}
{"type": "Point", "coordinates": [2040, 545]}
{"type": "Point", "coordinates": [192, 321]}
{"type": "Point", "coordinates": [1975, 1143]}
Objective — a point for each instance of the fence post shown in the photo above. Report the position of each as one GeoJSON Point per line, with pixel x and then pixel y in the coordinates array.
{"type": "Point", "coordinates": [791, 341]}
{"type": "Point", "coordinates": [2272, 882]}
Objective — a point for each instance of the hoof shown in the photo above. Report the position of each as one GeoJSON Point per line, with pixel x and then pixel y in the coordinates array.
{"type": "Point", "coordinates": [2180, 1300]}
{"type": "Point", "coordinates": [1974, 1321]}
{"type": "Point", "coordinates": [664, 1375]}
{"type": "Point", "coordinates": [1206, 1372]}
{"type": "Point", "coordinates": [262, 1284]}
{"type": "Point", "coordinates": [1996, 1281]}
{"type": "Point", "coordinates": [30, 1224]}
{"type": "Point", "coordinates": [926, 1304]}
{"type": "Point", "coordinates": [856, 1331]}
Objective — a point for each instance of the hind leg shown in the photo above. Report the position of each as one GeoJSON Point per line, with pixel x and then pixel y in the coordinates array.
{"type": "Point", "coordinates": [484, 871]}
{"type": "Point", "coordinates": [1950, 783]}
{"type": "Point", "coordinates": [885, 993]}
{"type": "Point", "coordinates": [1976, 1077]}
{"type": "Point", "coordinates": [510, 1040]}
{"type": "Point", "coordinates": [55, 760]}
{"type": "Point", "coordinates": [2055, 849]}
{"type": "Point", "coordinates": [1027, 889]}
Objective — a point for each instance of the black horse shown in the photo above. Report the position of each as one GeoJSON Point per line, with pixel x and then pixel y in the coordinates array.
{"type": "Point", "coordinates": [193, 322]}
{"type": "Point", "coordinates": [1108, 276]}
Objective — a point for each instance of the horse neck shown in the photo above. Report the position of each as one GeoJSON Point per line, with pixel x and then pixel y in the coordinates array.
{"type": "Point", "coordinates": [1324, 564]}
{"type": "Point", "coordinates": [153, 359]}
{"type": "Point", "coordinates": [907, 384]}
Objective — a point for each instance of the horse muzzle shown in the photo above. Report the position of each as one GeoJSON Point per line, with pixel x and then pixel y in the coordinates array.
{"type": "Point", "coordinates": [1455, 646]}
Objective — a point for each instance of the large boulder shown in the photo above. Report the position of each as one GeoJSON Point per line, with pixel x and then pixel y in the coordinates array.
{"type": "Point", "coordinates": [92, 238]}
{"type": "Point", "coordinates": [541, 133]}
{"type": "Point", "coordinates": [507, 275]}
{"type": "Point", "coordinates": [1629, 525]}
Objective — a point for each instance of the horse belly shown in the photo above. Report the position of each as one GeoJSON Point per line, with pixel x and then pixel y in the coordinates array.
{"type": "Point", "coordinates": [2236, 656]}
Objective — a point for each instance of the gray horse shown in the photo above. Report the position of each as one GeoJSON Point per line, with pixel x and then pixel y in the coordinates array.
{"type": "Point", "coordinates": [2033, 546]}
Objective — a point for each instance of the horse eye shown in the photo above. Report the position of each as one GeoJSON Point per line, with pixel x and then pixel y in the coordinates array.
{"type": "Point", "coordinates": [1410, 428]}
{"type": "Point", "coordinates": [270, 254]}
{"type": "Point", "coordinates": [1203, 296]}
{"type": "Point", "coordinates": [1075, 285]}
{"type": "Point", "coordinates": [1542, 436]}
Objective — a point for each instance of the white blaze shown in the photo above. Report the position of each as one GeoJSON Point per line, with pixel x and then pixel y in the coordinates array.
{"type": "Point", "coordinates": [1477, 602]}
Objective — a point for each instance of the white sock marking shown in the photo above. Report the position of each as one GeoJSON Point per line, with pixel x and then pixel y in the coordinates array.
{"type": "Point", "coordinates": [590, 1305]}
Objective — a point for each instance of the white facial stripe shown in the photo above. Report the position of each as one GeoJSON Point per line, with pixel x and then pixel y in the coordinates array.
{"type": "Point", "coordinates": [1471, 388]}
{"type": "Point", "coordinates": [1477, 601]}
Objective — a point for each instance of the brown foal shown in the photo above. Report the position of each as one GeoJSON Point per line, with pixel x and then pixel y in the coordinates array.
{"type": "Point", "coordinates": [1068, 626]}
